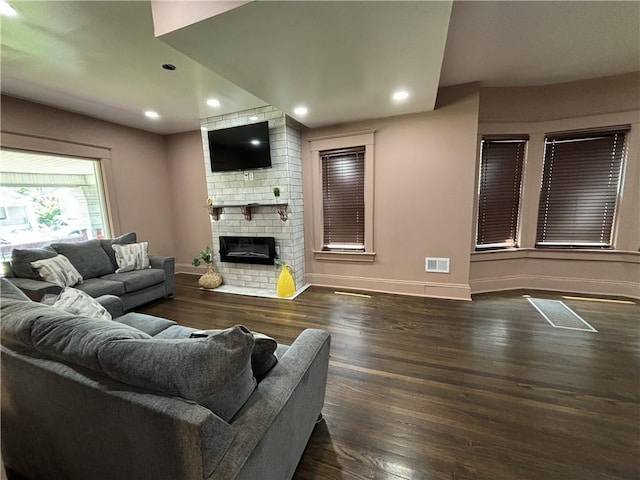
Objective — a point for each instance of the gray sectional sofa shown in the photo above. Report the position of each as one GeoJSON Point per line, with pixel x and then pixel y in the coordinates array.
{"type": "Point", "coordinates": [138, 398]}
{"type": "Point", "coordinates": [95, 260]}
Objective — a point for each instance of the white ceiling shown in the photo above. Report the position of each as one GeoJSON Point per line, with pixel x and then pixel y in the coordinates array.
{"type": "Point", "coordinates": [340, 59]}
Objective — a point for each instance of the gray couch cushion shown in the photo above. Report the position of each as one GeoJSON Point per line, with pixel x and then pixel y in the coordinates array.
{"type": "Point", "coordinates": [10, 292]}
{"type": "Point", "coordinates": [176, 331]}
{"type": "Point", "coordinates": [125, 239]}
{"type": "Point", "coordinates": [19, 317]}
{"type": "Point", "coordinates": [21, 261]}
{"type": "Point", "coordinates": [214, 371]}
{"type": "Point", "coordinates": [147, 323]}
{"type": "Point", "coordinates": [78, 339]}
{"type": "Point", "coordinates": [99, 286]}
{"type": "Point", "coordinates": [54, 332]}
{"type": "Point", "coordinates": [88, 257]}
{"type": "Point", "coordinates": [263, 355]}
{"type": "Point", "coordinates": [138, 279]}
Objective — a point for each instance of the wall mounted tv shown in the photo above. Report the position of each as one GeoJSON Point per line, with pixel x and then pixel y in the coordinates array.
{"type": "Point", "coordinates": [240, 148]}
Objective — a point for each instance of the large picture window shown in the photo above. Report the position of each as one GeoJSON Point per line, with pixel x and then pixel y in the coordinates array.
{"type": "Point", "coordinates": [579, 191]}
{"type": "Point", "coordinates": [499, 188]}
{"type": "Point", "coordinates": [46, 198]}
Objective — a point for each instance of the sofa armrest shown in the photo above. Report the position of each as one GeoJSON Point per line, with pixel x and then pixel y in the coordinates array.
{"type": "Point", "coordinates": [279, 417]}
{"type": "Point", "coordinates": [35, 289]}
{"type": "Point", "coordinates": [113, 304]}
{"type": "Point", "coordinates": [169, 266]}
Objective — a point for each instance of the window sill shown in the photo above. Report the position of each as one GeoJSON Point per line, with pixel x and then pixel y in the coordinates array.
{"type": "Point", "coordinates": [353, 257]}
{"type": "Point", "coordinates": [557, 254]}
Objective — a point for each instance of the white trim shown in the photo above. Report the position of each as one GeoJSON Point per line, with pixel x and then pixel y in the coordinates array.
{"type": "Point", "coordinates": [384, 285]}
{"type": "Point", "coordinates": [588, 286]}
{"type": "Point", "coordinates": [329, 256]}
{"type": "Point", "coordinates": [345, 140]}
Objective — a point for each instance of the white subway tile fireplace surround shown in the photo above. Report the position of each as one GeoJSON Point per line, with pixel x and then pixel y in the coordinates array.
{"type": "Point", "coordinates": [233, 188]}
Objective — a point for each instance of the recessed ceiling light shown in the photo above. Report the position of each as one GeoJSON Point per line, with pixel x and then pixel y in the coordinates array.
{"type": "Point", "coordinates": [212, 102]}
{"type": "Point", "coordinates": [400, 95]}
{"type": "Point", "coordinates": [253, 118]}
{"type": "Point", "coordinates": [7, 10]}
{"type": "Point", "coordinates": [300, 110]}
{"type": "Point", "coordinates": [151, 114]}
{"type": "Point", "coordinates": [169, 66]}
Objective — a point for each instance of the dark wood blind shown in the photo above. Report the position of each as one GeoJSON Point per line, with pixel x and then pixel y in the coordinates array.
{"type": "Point", "coordinates": [579, 190]}
{"type": "Point", "coordinates": [343, 198]}
{"type": "Point", "coordinates": [501, 164]}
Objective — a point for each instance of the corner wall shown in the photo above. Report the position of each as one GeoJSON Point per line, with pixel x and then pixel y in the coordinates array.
{"type": "Point", "coordinates": [423, 200]}
{"type": "Point", "coordinates": [190, 220]}
{"type": "Point", "coordinates": [539, 110]}
{"type": "Point", "coordinates": [133, 163]}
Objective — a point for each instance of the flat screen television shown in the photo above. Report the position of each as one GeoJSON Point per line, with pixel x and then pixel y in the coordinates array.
{"type": "Point", "coordinates": [240, 148]}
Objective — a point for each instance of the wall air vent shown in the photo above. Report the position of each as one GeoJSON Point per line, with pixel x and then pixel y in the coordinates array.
{"type": "Point", "coordinates": [436, 265]}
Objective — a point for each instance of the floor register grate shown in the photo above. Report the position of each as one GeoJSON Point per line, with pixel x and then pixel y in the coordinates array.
{"type": "Point", "coordinates": [559, 315]}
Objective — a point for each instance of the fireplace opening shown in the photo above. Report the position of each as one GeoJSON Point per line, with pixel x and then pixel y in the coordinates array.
{"type": "Point", "coordinates": [256, 250]}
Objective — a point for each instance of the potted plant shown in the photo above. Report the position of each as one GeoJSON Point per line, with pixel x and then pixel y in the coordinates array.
{"type": "Point", "coordinates": [211, 279]}
{"type": "Point", "coordinates": [276, 193]}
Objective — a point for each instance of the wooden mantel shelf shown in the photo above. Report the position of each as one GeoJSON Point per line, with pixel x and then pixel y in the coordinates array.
{"type": "Point", "coordinates": [247, 208]}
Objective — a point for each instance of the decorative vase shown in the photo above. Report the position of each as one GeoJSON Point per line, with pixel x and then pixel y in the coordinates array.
{"type": "Point", "coordinates": [211, 279]}
{"type": "Point", "coordinates": [286, 286]}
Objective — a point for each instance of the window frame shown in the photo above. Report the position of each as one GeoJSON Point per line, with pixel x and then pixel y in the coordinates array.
{"type": "Point", "coordinates": [50, 146]}
{"type": "Point", "coordinates": [578, 136]}
{"type": "Point", "coordinates": [524, 141]}
{"type": "Point", "coordinates": [334, 142]}
{"type": "Point", "coordinates": [28, 178]}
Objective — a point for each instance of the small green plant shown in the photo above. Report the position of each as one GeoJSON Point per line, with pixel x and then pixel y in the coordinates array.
{"type": "Point", "coordinates": [206, 256]}
{"type": "Point", "coordinates": [276, 192]}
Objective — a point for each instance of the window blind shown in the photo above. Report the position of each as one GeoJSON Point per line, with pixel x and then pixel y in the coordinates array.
{"type": "Point", "coordinates": [343, 198]}
{"type": "Point", "coordinates": [500, 179]}
{"type": "Point", "coordinates": [579, 191]}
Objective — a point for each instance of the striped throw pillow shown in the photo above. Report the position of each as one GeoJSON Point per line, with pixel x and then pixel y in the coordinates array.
{"type": "Point", "coordinates": [58, 270]}
{"type": "Point", "coordinates": [133, 256]}
{"type": "Point", "coordinates": [79, 303]}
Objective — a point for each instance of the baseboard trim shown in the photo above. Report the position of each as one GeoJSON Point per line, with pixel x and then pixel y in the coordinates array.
{"type": "Point", "coordinates": [588, 286]}
{"type": "Point", "coordinates": [451, 291]}
{"type": "Point", "coordinates": [190, 269]}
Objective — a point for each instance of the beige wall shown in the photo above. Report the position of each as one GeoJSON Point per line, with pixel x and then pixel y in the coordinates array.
{"type": "Point", "coordinates": [537, 111]}
{"type": "Point", "coordinates": [598, 96]}
{"type": "Point", "coordinates": [423, 200]}
{"type": "Point", "coordinates": [424, 188]}
{"type": "Point", "coordinates": [134, 164]}
{"type": "Point", "coordinates": [190, 219]}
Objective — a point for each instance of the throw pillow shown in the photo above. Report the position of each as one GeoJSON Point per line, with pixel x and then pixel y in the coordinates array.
{"type": "Point", "coordinates": [21, 260]}
{"type": "Point", "coordinates": [107, 245]}
{"type": "Point", "coordinates": [132, 257]}
{"type": "Point", "coordinates": [214, 371]}
{"type": "Point", "coordinates": [58, 270]}
{"type": "Point", "coordinates": [263, 356]}
{"type": "Point", "coordinates": [79, 303]}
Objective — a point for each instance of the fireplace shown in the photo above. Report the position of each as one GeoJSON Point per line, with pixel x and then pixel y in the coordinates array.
{"type": "Point", "coordinates": [256, 250]}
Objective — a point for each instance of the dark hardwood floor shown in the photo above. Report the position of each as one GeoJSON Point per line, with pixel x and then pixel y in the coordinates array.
{"type": "Point", "coordinates": [438, 389]}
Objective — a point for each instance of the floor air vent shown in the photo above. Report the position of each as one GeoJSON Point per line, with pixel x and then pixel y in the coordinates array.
{"type": "Point", "coordinates": [436, 265]}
